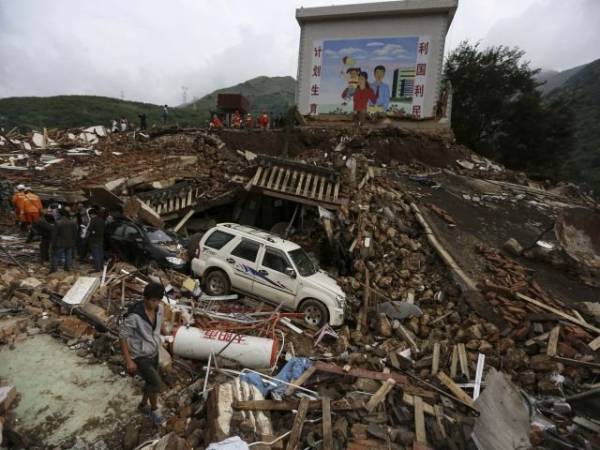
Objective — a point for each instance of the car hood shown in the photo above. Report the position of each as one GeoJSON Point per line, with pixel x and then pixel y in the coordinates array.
{"type": "Point", "coordinates": [322, 280]}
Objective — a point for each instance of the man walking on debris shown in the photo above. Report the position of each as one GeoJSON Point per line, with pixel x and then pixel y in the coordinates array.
{"type": "Point", "coordinates": [140, 342]}
{"type": "Point", "coordinates": [64, 239]}
{"type": "Point", "coordinates": [143, 124]}
{"type": "Point", "coordinates": [95, 238]}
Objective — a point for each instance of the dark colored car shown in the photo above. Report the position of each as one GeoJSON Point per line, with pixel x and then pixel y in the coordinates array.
{"type": "Point", "coordinates": [141, 245]}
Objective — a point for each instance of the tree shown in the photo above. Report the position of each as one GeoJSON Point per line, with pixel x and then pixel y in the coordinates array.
{"type": "Point", "coordinates": [498, 111]}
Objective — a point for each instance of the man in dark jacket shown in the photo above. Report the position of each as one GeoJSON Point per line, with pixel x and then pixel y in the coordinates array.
{"type": "Point", "coordinates": [140, 342]}
{"type": "Point", "coordinates": [44, 227]}
{"type": "Point", "coordinates": [95, 239]}
{"type": "Point", "coordinates": [64, 240]}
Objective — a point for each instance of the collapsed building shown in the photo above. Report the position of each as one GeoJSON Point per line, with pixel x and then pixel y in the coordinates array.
{"type": "Point", "coordinates": [468, 286]}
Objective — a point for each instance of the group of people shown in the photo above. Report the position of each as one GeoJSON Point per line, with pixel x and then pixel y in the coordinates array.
{"type": "Point", "coordinates": [63, 234]}
{"type": "Point", "coordinates": [238, 121]}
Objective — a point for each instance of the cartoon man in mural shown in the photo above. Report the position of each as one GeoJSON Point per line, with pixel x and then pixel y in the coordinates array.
{"type": "Point", "coordinates": [352, 78]}
{"type": "Point", "coordinates": [382, 89]}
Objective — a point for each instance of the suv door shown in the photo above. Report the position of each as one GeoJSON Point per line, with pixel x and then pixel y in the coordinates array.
{"type": "Point", "coordinates": [243, 261]}
{"type": "Point", "coordinates": [272, 282]}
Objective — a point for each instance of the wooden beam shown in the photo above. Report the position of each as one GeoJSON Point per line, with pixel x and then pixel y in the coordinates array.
{"type": "Point", "coordinates": [304, 376]}
{"type": "Point", "coordinates": [410, 341]}
{"type": "Point", "coordinates": [298, 424]}
{"type": "Point", "coordinates": [458, 392]}
{"type": "Point", "coordinates": [558, 312]}
{"type": "Point", "coordinates": [290, 405]}
{"type": "Point", "coordinates": [454, 362]}
{"type": "Point", "coordinates": [327, 433]}
{"type": "Point", "coordinates": [420, 433]}
{"type": "Point", "coordinates": [539, 338]}
{"type": "Point", "coordinates": [360, 373]}
{"type": "Point", "coordinates": [380, 395]}
{"type": "Point", "coordinates": [553, 341]}
{"type": "Point", "coordinates": [464, 362]}
{"type": "Point", "coordinates": [595, 344]}
{"type": "Point", "coordinates": [185, 218]}
{"type": "Point", "coordinates": [576, 362]}
{"type": "Point", "coordinates": [435, 362]}
{"type": "Point", "coordinates": [439, 420]}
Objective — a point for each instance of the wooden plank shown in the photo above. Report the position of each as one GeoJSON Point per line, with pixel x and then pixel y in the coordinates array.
{"type": "Point", "coordinates": [409, 340]}
{"type": "Point", "coordinates": [322, 187]}
{"type": "Point", "coordinates": [327, 432]}
{"type": "Point", "coordinates": [279, 177]}
{"type": "Point", "coordinates": [380, 395]}
{"type": "Point", "coordinates": [463, 360]}
{"type": "Point", "coordinates": [539, 338]}
{"type": "Point", "coordinates": [420, 433]}
{"type": "Point", "coordinates": [304, 376]}
{"type": "Point", "coordinates": [410, 400]}
{"type": "Point", "coordinates": [274, 171]}
{"type": "Point", "coordinates": [315, 186]}
{"type": "Point", "coordinates": [285, 180]}
{"type": "Point", "coordinates": [558, 312]}
{"type": "Point", "coordinates": [265, 175]}
{"type": "Point", "coordinates": [360, 373]}
{"type": "Point", "coordinates": [299, 187]}
{"type": "Point", "coordinates": [336, 190]}
{"type": "Point", "coordinates": [454, 362]}
{"type": "Point", "coordinates": [435, 362]}
{"type": "Point", "coordinates": [439, 420]}
{"type": "Point", "coordinates": [478, 375]}
{"type": "Point", "coordinates": [456, 391]}
{"type": "Point", "coordinates": [298, 424]}
{"type": "Point", "coordinates": [307, 185]}
{"type": "Point", "coordinates": [292, 182]}
{"type": "Point", "coordinates": [576, 362]}
{"type": "Point", "coordinates": [328, 191]}
{"type": "Point", "coordinates": [595, 344]}
{"type": "Point", "coordinates": [553, 341]}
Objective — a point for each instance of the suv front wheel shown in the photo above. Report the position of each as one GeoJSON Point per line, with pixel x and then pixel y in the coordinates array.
{"type": "Point", "coordinates": [315, 312]}
{"type": "Point", "coordinates": [217, 283]}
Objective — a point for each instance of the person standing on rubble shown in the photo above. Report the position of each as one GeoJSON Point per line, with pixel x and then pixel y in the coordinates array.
{"type": "Point", "coordinates": [32, 210]}
{"type": "Point", "coordinates": [139, 334]}
{"type": "Point", "coordinates": [64, 239]}
{"type": "Point", "coordinates": [164, 114]}
{"type": "Point", "coordinates": [95, 239]}
{"type": "Point", "coordinates": [17, 201]}
{"type": "Point", "coordinates": [44, 227]}
{"type": "Point", "coordinates": [263, 121]}
{"type": "Point", "coordinates": [143, 124]}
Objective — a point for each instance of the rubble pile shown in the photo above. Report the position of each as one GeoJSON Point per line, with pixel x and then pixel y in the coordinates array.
{"type": "Point", "coordinates": [431, 354]}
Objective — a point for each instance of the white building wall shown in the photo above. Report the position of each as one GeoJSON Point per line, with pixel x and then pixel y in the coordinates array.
{"type": "Point", "coordinates": [433, 25]}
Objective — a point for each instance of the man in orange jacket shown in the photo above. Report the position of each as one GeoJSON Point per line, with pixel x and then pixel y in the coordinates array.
{"type": "Point", "coordinates": [32, 207]}
{"type": "Point", "coordinates": [17, 201]}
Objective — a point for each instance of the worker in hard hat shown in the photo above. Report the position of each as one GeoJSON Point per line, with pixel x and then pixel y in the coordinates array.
{"type": "Point", "coordinates": [17, 201]}
{"type": "Point", "coordinates": [32, 206]}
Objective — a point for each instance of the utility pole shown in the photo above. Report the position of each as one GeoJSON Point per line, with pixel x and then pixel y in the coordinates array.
{"type": "Point", "coordinates": [184, 90]}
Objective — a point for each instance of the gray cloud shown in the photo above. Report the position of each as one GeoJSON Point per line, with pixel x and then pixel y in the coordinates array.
{"type": "Point", "coordinates": [149, 49]}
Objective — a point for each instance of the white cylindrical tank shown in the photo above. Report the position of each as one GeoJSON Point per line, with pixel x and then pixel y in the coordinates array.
{"type": "Point", "coordinates": [249, 351]}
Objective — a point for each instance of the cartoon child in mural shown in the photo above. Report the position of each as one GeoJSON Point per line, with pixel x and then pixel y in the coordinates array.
{"type": "Point", "coordinates": [382, 89]}
{"type": "Point", "coordinates": [352, 78]}
{"type": "Point", "coordinates": [363, 94]}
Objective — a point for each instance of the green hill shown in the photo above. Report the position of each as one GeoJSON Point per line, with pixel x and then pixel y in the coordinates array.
{"type": "Point", "coordinates": [68, 111]}
{"type": "Point", "coordinates": [553, 79]}
{"type": "Point", "coordinates": [273, 94]}
{"type": "Point", "coordinates": [583, 90]}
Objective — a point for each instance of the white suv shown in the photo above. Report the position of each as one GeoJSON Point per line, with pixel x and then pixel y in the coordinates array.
{"type": "Point", "coordinates": [263, 265]}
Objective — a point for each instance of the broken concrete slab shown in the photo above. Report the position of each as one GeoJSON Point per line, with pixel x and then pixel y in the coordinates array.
{"type": "Point", "coordinates": [503, 423]}
{"type": "Point", "coordinates": [8, 394]}
{"type": "Point", "coordinates": [81, 292]}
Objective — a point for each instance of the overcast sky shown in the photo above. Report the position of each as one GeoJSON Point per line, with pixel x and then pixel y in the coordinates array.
{"type": "Point", "coordinates": [149, 49]}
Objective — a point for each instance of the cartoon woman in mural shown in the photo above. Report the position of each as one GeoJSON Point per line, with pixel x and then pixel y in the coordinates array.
{"type": "Point", "coordinates": [363, 94]}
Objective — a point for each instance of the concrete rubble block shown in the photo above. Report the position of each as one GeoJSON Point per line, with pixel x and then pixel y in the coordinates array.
{"type": "Point", "coordinates": [513, 247]}
{"type": "Point", "coordinates": [8, 394]}
{"type": "Point", "coordinates": [30, 282]}
{"type": "Point", "coordinates": [81, 292]}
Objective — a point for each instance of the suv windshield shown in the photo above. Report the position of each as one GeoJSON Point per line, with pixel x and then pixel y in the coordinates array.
{"type": "Point", "coordinates": [157, 236]}
{"type": "Point", "coordinates": [303, 262]}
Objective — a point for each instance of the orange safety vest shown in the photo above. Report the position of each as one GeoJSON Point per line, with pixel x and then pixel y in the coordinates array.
{"type": "Point", "coordinates": [32, 203]}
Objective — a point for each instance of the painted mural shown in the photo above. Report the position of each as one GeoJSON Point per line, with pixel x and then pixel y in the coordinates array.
{"type": "Point", "coordinates": [369, 75]}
